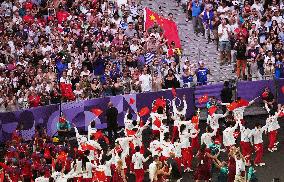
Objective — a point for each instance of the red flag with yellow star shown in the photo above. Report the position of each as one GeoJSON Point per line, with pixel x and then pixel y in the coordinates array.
{"type": "Point", "coordinates": [169, 27]}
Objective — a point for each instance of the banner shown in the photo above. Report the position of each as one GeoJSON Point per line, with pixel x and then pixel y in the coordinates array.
{"type": "Point", "coordinates": [80, 113]}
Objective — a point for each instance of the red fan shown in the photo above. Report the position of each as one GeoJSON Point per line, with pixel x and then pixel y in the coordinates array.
{"type": "Point", "coordinates": [97, 112]}
{"type": "Point", "coordinates": [212, 110]}
{"type": "Point", "coordinates": [203, 99]}
{"type": "Point", "coordinates": [144, 111]}
{"type": "Point", "coordinates": [174, 92]}
{"type": "Point", "coordinates": [131, 101]}
{"type": "Point", "coordinates": [157, 122]}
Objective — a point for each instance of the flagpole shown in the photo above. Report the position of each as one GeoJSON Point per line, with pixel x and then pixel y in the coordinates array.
{"type": "Point", "coordinates": [144, 9]}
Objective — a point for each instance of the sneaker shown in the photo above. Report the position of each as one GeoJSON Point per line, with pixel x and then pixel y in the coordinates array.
{"type": "Point", "coordinates": [262, 164]}
{"type": "Point", "coordinates": [276, 143]}
{"type": "Point", "coordinates": [274, 149]}
{"type": "Point", "coordinates": [256, 164]}
{"type": "Point", "coordinates": [270, 150]}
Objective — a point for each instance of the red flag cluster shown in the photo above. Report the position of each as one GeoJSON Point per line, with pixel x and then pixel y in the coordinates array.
{"type": "Point", "coordinates": [66, 91]}
{"type": "Point", "coordinates": [169, 27]}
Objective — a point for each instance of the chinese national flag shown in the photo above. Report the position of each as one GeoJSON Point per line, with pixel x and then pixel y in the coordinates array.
{"type": "Point", "coordinates": [169, 27]}
{"type": "Point", "coordinates": [212, 110]}
{"type": "Point", "coordinates": [157, 122]}
{"type": "Point", "coordinates": [144, 111]}
{"type": "Point", "coordinates": [203, 99]}
{"type": "Point", "coordinates": [97, 112]}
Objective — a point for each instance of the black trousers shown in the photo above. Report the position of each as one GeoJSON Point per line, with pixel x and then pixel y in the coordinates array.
{"type": "Point", "coordinates": [112, 133]}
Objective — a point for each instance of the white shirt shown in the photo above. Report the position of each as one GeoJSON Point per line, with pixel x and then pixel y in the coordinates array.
{"type": "Point", "coordinates": [146, 82]}
{"type": "Point", "coordinates": [213, 120]}
{"type": "Point", "coordinates": [206, 138]}
{"type": "Point", "coordinates": [124, 143]}
{"type": "Point", "coordinates": [272, 123]}
{"type": "Point", "coordinates": [258, 7]}
{"type": "Point", "coordinates": [91, 131]}
{"type": "Point", "coordinates": [184, 139]}
{"type": "Point", "coordinates": [272, 59]}
{"type": "Point", "coordinates": [178, 113]}
{"type": "Point", "coordinates": [152, 170]}
{"type": "Point", "coordinates": [61, 177]}
{"type": "Point", "coordinates": [154, 145]}
{"type": "Point", "coordinates": [177, 149]}
{"type": "Point", "coordinates": [224, 30]}
{"type": "Point", "coordinates": [228, 136]}
{"type": "Point", "coordinates": [257, 134]}
{"type": "Point", "coordinates": [42, 179]}
{"type": "Point", "coordinates": [240, 166]}
{"type": "Point", "coordinates": [167, 148]}
{"type": "Point", "coordinates": [138, 160]}
{"type": "Point", "coordinates": [245, 134]}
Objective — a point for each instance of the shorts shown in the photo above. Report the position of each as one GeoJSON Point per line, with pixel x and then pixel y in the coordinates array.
{"type": "Point", "coordinates": [225, 46]}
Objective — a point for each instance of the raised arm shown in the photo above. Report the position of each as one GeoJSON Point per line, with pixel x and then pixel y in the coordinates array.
{"type": "Point", "coordinates": [184, 106]}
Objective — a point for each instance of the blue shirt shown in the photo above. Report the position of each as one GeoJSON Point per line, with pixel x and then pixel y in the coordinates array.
{"type": "Point", "coordinates": [201, 74]}
{"type": "Point", "coordinates": [196, 9]}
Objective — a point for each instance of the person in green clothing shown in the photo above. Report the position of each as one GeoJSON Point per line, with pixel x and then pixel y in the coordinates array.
{"type": "Point", "coordinates": [63, 128]}
{"type": "Point", "coordinates": [224, 170]}
{"type": "Point", "coordinates": [251, 174]}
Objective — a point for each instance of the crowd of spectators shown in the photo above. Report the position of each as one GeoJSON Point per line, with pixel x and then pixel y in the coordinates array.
{"type": "Point", "coordinates": [98, 46]}
{"type": "Point", "coordinates": [248, 33]}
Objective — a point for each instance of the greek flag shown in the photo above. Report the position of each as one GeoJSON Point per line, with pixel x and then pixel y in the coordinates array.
{"type": "Point", "coordinates": [149, 57]}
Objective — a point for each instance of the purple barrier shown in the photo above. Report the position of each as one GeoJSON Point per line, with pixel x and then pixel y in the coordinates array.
{"type": "Point", "coordinates": [280, 84]}
{"type": "Point", "coordinates": [250, 90]}
{"type": "Point", "coordinates": [79, 112]}
{"type": "Point", "coordinates": [210, 90]}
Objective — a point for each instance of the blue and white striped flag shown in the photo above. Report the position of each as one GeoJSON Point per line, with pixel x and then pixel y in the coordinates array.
{"type": "Point", "coordinates": [149, 57]}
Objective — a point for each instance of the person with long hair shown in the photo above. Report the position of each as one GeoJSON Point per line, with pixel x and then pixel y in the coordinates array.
{"type": "Point", "coordinates": [203, 169]}
{"type": "Point", "coordinates": [119, 175]}
{"type": "Point", "coordinates": [161, 172]}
